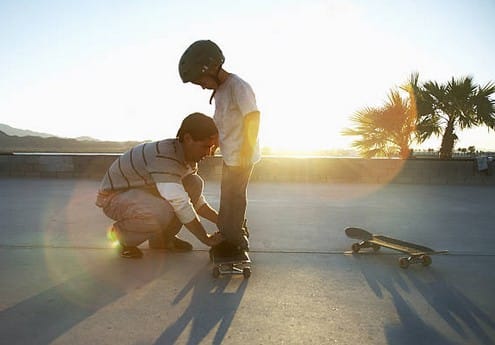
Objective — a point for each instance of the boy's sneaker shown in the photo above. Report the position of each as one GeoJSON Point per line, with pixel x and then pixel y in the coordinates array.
{"type": "Point", "coordinates": [226, 250]}
{"type": "Point", "coordinates": [130, 252]}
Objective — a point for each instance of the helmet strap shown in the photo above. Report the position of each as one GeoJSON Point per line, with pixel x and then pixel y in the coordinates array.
{"type": "Point", "coordinates": [212, 95]}
{"type": "Point", "coordinates": [217, 81]}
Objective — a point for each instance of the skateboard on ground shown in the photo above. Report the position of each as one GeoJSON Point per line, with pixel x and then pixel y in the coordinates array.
{"type": "Point", "coordinates": [240, 264]}
{"type": "Point", "coordinates": [416, 253]}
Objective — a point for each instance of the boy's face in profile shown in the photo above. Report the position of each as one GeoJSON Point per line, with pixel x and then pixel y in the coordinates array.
{"type": "Point", "coordinates": [206, 82]}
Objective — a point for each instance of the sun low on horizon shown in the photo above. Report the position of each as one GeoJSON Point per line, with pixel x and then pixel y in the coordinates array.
{"type": "Point", "coordinates": [110, 72]}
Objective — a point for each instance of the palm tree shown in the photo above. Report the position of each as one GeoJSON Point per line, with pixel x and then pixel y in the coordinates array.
{"type": "Point", "coordinates": [385, 131]}
{"type": "Point", "coordinates": [444, 108]}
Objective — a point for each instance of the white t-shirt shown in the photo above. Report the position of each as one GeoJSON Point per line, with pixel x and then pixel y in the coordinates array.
{"type": "Point", "coordinates": [234, 99]}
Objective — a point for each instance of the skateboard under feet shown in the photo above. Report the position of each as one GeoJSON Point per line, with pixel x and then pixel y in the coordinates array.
{"type": "Point", "coordinates": [240, 264]}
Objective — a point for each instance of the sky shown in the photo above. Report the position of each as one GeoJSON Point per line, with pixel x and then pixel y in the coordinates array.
{"type": "Point", "coordinates": [108, 69]}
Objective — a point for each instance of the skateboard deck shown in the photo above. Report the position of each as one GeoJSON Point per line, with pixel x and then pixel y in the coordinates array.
{"type": "Point", "coordinates": [416, 253]}
{"type": "Point", "coordinates": [240, 264]}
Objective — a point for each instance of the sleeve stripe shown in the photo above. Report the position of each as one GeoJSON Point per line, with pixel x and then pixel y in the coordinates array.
{"type": "Point", "coordinates": [123, 175]}
{"type": "Point", "coordinates": [134, 167]}
{"type": "Point", "coordinates": [144, 156]}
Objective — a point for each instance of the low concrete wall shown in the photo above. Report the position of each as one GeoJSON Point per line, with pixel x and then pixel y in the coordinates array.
{"type": "Point", "coordinates": [273, 169]}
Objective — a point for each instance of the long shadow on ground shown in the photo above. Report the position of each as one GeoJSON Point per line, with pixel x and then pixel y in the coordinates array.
{"type": "Point", "coordinates": [47, 315]}
{"type": "Point", "coordinates": [463, 316]}
{"type": "Point", "coordinates": [213, 304]}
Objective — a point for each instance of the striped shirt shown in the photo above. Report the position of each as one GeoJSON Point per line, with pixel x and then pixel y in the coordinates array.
{"type": "Point", "coordinates": [148, 164]}
{"type": "Point", "coordinates": [160, 164]}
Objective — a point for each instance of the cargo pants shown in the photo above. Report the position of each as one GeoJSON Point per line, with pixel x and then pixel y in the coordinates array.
{"type": "Point", "coordinates": [141, 214]}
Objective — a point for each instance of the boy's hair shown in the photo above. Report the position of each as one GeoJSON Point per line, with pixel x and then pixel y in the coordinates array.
{"type": "Point", "coordinates": [199, 126]}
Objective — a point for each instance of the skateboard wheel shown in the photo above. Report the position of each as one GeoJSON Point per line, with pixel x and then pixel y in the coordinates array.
{"type": "Point", "coordinates": [246, 272]}
{"type": "Point", "coordinates": [375, 247]}
{"type": "Point", "coordinates": [426, 260]}
{"type": "Point", "coordinates": [356, 247]}
{"type": "Point", "coordinates": [216, 272]}
{"type": "Point", "coordinates": [403, 263]}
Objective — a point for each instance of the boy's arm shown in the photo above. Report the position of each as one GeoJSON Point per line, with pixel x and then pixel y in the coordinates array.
{"type": "Point", "coordinates": [250, 134]}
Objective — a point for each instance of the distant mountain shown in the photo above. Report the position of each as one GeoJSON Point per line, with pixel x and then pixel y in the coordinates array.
{"type": "Point", "coordinates": [86, 138]}
{"type": "Point", "coordinates": [23, 142]}
{"type": "Point", "coordinates": [22, 132]}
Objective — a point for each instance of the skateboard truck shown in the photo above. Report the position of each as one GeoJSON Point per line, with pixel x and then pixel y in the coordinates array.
{"type": "Point", "coordinates": [231, 265]}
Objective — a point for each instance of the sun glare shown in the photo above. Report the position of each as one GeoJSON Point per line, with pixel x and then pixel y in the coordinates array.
{"type": "Point", "coordinates": [112, 238]}
{"type": "Point", "coordinates": [309, 78]}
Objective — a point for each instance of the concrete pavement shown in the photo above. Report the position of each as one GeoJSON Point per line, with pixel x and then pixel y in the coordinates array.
{"type": "Point", "coordinates": [63, 284]}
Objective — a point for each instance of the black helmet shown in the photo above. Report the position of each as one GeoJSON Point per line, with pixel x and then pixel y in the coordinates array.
{"type": "Point", "coordinates": [198, 59]}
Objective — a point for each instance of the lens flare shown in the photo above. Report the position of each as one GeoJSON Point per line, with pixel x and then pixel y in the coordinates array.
{"type": "Point", "coordinates": [112, 237]}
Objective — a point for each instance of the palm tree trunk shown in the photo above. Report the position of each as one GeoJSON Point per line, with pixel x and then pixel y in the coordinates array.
{"type": "Point", "coordinates": [448, 140]}
{"type": "Point", "coordinates": [405, 152]}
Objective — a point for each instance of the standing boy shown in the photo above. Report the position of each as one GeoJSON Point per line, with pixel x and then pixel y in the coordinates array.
{"type": "Point", "coordinates": [237, 118]}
